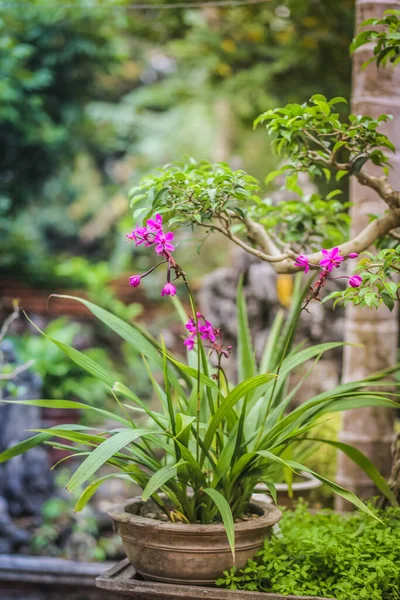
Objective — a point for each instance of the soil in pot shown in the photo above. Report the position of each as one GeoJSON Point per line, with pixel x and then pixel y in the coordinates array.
{"type": "Point", "coordinates": [183, 553]}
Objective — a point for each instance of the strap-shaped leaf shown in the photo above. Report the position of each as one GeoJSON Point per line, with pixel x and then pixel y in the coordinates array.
{"type": "Point", "coordinates": [71, 404]}
{"type": "Point", "coordinates": [160, 478]}
{"type": "Point", "coordinates": [102, 453]}
{"type": "Point", "coordinates": [79, 358]}
{"type": "Point", "coordinates": [338, 489]}
{"type": "Point", "coordinates": [193, 373]}
{"type": "Point", "coordinates": [24, 446]}
{"type": "Point", "coordinates": [226, 516]}
{"type": "Point", "coordinates": [126, 331]}
{"type": "Point", "coordinates": [365, 464]}
{"type": "Point", "coordinates": [229, 402]}
{"type": "Point", "coordinates": [246, 355]}
{"type": "Point", "coordinates": [91, 489]}
{"type": "Point", "coordinates": [142, 342]}
{"type": "Point", "coordinates": [120, 388]}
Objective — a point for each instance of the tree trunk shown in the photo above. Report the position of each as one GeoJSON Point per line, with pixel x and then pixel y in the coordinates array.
{"type": "Point", "coordinates": [375, 91]}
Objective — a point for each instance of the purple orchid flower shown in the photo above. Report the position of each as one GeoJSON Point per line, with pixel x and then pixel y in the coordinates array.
{"type": "Point", "coordinates": [302, 261]}
{"type": "Point", "coordinates": [207, 331]}
{"type": "Point", "coordinates": [332, 258]}
{"type": "Point", "coordinates": [155, 224]}
{"type": "Point", "coordinates": [189, 343]}
{"type": "Point", "coordinates": [163, 241]}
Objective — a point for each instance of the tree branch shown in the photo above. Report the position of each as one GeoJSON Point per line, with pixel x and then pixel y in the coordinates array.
{"type": "Point", "coordinates": [271, 258]}
{"type": "Point", "coordinates": [382, 187]}
{"type": "Point", "coordinates": [284, 262]}
{"type": "Point", "coordinates": [361, 242]}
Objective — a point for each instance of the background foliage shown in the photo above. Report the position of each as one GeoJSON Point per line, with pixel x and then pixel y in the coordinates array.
{"type": "Point", "coordinates": [89, 103]}
{"type": "Point", "coordinates": [327, 555]}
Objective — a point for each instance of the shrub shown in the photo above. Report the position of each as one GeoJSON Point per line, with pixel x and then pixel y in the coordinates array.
{"type": "Point", "coordinates": [327, 554]}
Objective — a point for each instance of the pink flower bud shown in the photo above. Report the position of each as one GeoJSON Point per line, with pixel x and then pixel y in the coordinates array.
{"type": "Point", "coordinates": [168, 290]}
{"type": "Point", "coordinates": [134, 281]}
{"type": "Point", "coordinates": [352, 255]}
{"type": "Point", "coordinates": [355, 281]}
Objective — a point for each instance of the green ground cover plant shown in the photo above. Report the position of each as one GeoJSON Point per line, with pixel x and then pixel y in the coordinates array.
{"type": "Point", "coordinates": [328, 555]}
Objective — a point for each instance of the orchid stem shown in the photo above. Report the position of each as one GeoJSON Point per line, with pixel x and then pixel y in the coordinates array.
{"type": "Point", "coordinates": [194, 310]}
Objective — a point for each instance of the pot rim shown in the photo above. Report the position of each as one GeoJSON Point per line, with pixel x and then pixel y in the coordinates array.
{"type": "Point", "coordinates": [270, 515]}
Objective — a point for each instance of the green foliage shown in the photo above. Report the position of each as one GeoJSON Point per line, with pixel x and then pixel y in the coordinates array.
{"type": "Point", "coordinates": [328, 555]}
{"type": "Point", "coordinates": [53, 64]}
{"type": "Point", "coordinates": [379, 281]}
{"type": "Point", "coordinates": [50, 61]}
{"type": "Point", "coordinates": [61, 379]}
{"type": "Point", "coordinates": [318, 141]}
{"type": "Point", "coordinates": [96, 279]}
{"type": "Point", "coordinates": [197, 193]}
{"type": "Point", "coordinates": [311, 221]}
{"type": "Point", "coordinates": [193, 192]}
{"type": "Point", "coordinates": [386, 39]}
{"type": "Point", "coordinates": [256, 55]}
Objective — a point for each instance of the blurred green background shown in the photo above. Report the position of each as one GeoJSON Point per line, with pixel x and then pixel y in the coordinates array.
{"type": "Point", "coordinates": [94, 94]}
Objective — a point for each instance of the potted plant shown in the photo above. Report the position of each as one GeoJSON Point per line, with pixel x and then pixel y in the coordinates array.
{"type": "Point", "coordinates": [196, 517]}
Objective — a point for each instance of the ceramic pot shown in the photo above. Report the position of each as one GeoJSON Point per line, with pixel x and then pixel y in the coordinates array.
{"type": "Point", "coordinates": [185, 553]}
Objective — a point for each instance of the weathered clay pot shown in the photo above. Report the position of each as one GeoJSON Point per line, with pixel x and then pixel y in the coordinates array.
{"type": "Point", "coordinates": [183, 553]}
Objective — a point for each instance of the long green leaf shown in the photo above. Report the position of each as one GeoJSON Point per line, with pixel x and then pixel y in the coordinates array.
{"type": "Point", "coordinates": [226, 516]}
{"type": "Point", "coordinates": [132, 334]}
{"type": "Point", "coordinates": [102, 453]}
{"type": "Point", "coordinates": [24, 446]}
{"type": "Point", "coordinates": [160, 478]}
{"type": "Point", "coordinates": [71, 404]}
{"type": "Point", "coordinates": [193, 373]}
{"type": "Point", "coordinates": [36, 440]}
{"type": "Point", "coordinates": [168, 395]}
{"type": "Point", "coordinates": [79, 358]}
{"type": "Point", "coordinates": [196, 471]}
{"type": "Point", "coordinates": [246, 355]}
{"type": "Point", "coordinates": [346, 494]}
{"type": "Point", "coordinates": [225, 459]}
{"type": "Point", "coordinates": [91, 489]}
{"type": "Point", "coordinates": [127, 332]}
{"type": "Point", "coordinates": [365, 464]}
{"type": "Point", "coordinates": [120, 388]}
{"type": "Point", "coordinates": [268, 362]}
{"type": "Point", "coordinates": [229, 402]}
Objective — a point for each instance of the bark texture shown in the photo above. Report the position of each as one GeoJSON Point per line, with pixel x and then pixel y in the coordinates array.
{"type": "Point", "coordinates": [375, 91]}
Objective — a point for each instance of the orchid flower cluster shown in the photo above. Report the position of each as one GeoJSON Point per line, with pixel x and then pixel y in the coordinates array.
{"type": "Point", "coordinates": [213, 335]}
{"type": "Point", "coordinates": [153, 235]}
{"type": "Point", "coordinates": [332, 259]}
